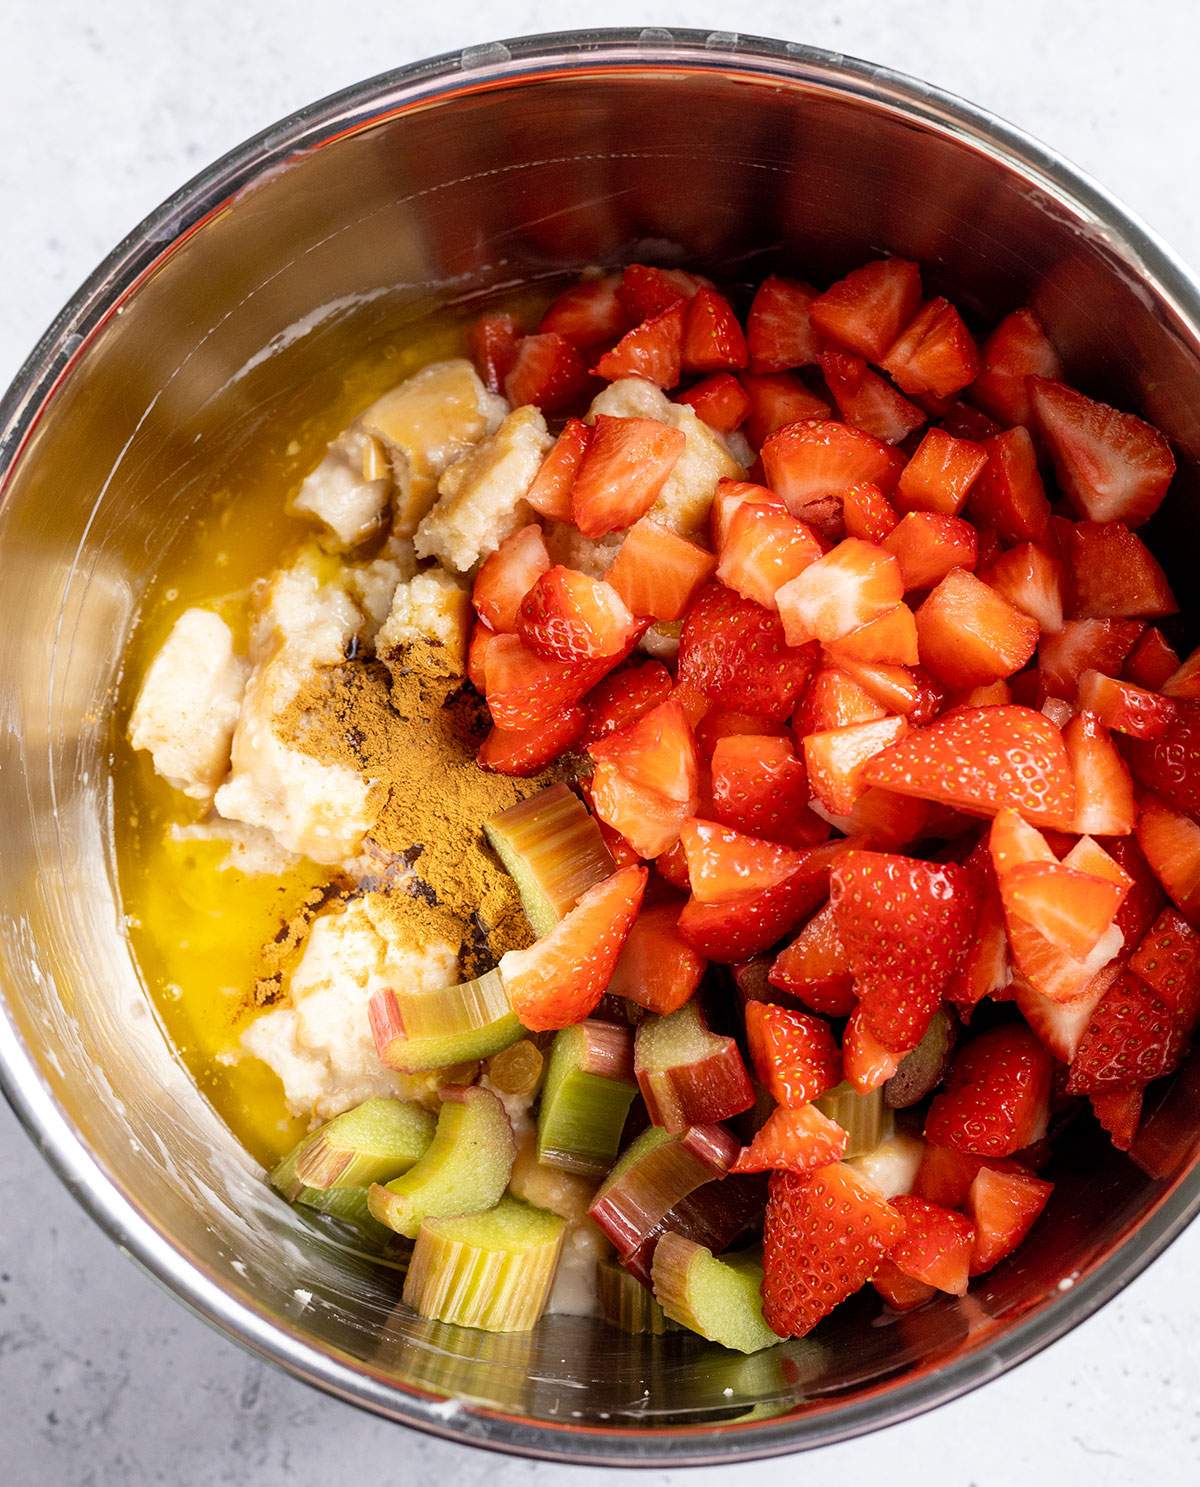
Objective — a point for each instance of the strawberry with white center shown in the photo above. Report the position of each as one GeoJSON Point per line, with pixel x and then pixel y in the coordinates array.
{"type": "Point", "coordinates": [763, 549]}
{"type": "Point", "coordinates": [779, 334]}
{"type": "Point", "coordinates": [653, 350]}
{"type": "Point", "coordinates": [970, 635]}
{"type": "Point", "coordinates": [848, 587]}
{"type": "Point", "coordinates": [996, 1098]}
{"type": "Point", "coordinates": [810, 460]}
{"type": "Point", "coordinates": [646, 782]}
{"type": "Point", "coordinates": [657, 572]}
{"type": "Point", "coordinates": [568, 616]}
{"type": "Point", "coordinates": [868, 401]}
{"type": "Point", "coordinates": [1018, 348]}
{"type": "Point", "coordinates": [867, 310]}
{"type": "Point", "coordinates": [548, 372]}
{"type": "Point", "coordinates": [588, 314]}
{"type": "Point", "coordinates": [935, 355]}
{"type": "Point", "coordinates": [624, 467]}
{"type": "Point", "coordinates": [508, 575]}
{"type": "Point", "coordinates": [837, 760]}
{"type": "Point", "coordinates": [799, 1141]}
{"type": "Point", "coordinates": [1003, 1207]}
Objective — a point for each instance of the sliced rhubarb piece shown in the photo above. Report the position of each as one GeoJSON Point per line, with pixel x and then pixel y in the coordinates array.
{"type": "Point", "coordinates": [586, 1097]}
{"type": "Point", "coordinates": [778, 332]}
{"type": "Point", "coordinates": [554, 851]}
{"type": "Point", "coordinates": [837, 760]}
{"type": "Point", "coordinates": [1009, 495]}
{"type": "Point", "coordinates": [626, 464]}
{"type": "Point", "coordinates": [936, 1245]}
{"type": "Point", "coordinates": [868, 401]}
{"type": "Point", "coordinates": [465, 1168]}
{"type": "Point", "coordinates": [764, 548]}
{"type": "Point", "coordinates": [489, 1270]}
{"type": "Point", "coordinates": [1018, 348]}
{"type": "Point", "coordinates": [657, 969]}
{"type": "Point", "coordinates": [716, 1214]}
{"type": "Point", "coordinates": [1003, 1206]}
{"type": "Point", "coordinates": [588, 314]}
{"type": "Point", "coordinates": [970, 635]}
{"type": "Point", "coordinates": [726, 865]}
{"type": "Point", "coordinates": [720, 1299]}
{"type": "Point", "coordinates": [1114, 575]}
{"type": "Point", "coordinates": [794, 1055]}
{"type": "Point", "coordinates": [860, 1115]}
{"type": "Point", "coordinates": [996, 1098]}
{"type": "Point", "coordinates": [687, 1074]}
{"type": "Point", "coordinates": [508, 575]}
{"type": "Point", "coordinates": [1167, 959]}
{"type": "Point", "coordinates": [720, 400]}
{"type": "Point", "coordinates": [799, 1140]}
{"type": "Point", "coordinates": [1131, 1039]}
{"type": "Point", "coordinates": [376, 1141]}
{"type": "Point", "coordinates": [657, 572]}
{"type": "Point", "coordinates": [626, 1303]}
{"type": "Point", "coordinates": [652, 350]}
{"type": "Point", "coordinates": [548, 372]}
{"type": "Point", "coordinates": [416, 1030]}
{"type": "Point", "coordinates": [570, 616]}
{"type": "Point", "coordinates": [940, 475]}
{"type": "Point", "coordinates": [735, 653]}
{"type": "Point", "coordinates": [935, 354]}
{"type": "Point", "coordinates": [922, 1070]}
{"type": "Point", "coordinates": [807, 461]}
{"type": "Point", "coordinates": [867, 310]}
{"type": "Point", "coordinates": [855, 583]}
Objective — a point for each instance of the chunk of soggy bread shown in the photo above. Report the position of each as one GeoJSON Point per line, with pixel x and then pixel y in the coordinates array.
{"type": "Point", "coordinates": [317, 808]}
{"type": "Point", "coordinates": [187, 709]}
{"type": "Point", "coordinates": [347, 494]}
{"type": "Point", "coordinates": [431, 614]}
{"type": "Point", "coordinates": [684, 501]}
{"type": "Point", "coordinates": [482, 497]}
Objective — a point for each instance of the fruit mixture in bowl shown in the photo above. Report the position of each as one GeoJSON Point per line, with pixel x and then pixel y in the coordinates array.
{"type": "Point", "coordinates": [673, 810]}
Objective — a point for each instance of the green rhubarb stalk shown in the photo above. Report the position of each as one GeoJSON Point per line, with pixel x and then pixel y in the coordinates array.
{"type": "Point", "coordinates": [721, 1299]}
{"type": "Point", "coordinates": [864, 1118]}
{"type": "Point", "coordinates": [554, 851]}
{"type": "Point", "coordinates": [374, 1142]}
{"type": "Point", "coordinates": [627, 1304]}
{"type": "Point", "coordinates": [586, 1097]}
{"type": "Point", "coordinates": [419, 1029]}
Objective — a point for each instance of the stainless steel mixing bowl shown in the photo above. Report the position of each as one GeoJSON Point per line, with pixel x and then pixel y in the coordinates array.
{"type": "Point", "coordinates": [227, 308]}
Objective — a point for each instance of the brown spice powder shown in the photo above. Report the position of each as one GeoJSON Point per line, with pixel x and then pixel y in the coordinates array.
{"type": "Point", "coordinates": [277, 955]}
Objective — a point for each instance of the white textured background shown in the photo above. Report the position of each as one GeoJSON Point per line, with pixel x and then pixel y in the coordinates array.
{"type": "Point", "coordinates": [104, 108]}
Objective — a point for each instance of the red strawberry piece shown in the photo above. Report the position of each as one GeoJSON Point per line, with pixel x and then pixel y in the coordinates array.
{"type": "Point", "coordinates": [589, 314]}
{"type": "Point", "coordinates": [550, 493]}
{"type": "Point", "coordinates": [1113, 466]}
{"type": "Point", "coordinates": [866, 1062]}
{"type": "Point", "coordinates": [672, 867]}
{"type": "Point", "coordinates": [734, 651]}
{"type": "Point", "coordinates": [1031, 579]}
{"type": "Point", "coordinates": [481, 637]}
{"type": "Point", "coordinates": [525, 690]}
{"type": "Point", "coordinates": [970, 635]}
{"type": "Point", "coordinates": [837, 760]}
{"type": "Point", "coordinates": [1125, 707]}
{"type": "Point", "coordinates": [748, 926]}
{"type": "Point", "coordinates": [558, 981]}
{"type": "Point", "coordinates": [899, 1291]}
{"type": "Point", "coordinates": [1171, 843]}
{"type": "Point", "coordinates": [657, 969]}
{"type": "Point", "coordinates": [1013, 843]}
{"type": "Point", "coordinates": [899, 689]}
{"type": "Point", "coordinates": [646, 781]}
{"type": "Point", "coordinates": [961, 421]}
{"type": "Point", "coordinates": [1103, 787]}
{"type": "Point", "coordinates": [724, 865]}
{"type": "Point", "coordinates": [854, 583]}
{"type": "Point", "coordinates": [657, 572]}
{"type": "Point", "coordinates": [940, 475]}
{"type": "Point", "coordinates": [1184, 681]}
{"type": "Point", "coordinates": [763, 549]}
{"type": "Point", "coordinates": [1009, 494]}
{"type": "Point", "coordinates": [1145, 898]}
{"type": "Point", "coordinates": [1069, 909]}
{"type": "Point", "coordinates": [646, 291]}
{"type": "Point", "coordinates": [945, 1175]}
{"type": "Point", "coordinates": [619, 849]}
{"type": "Point", "coordinates": [1132, 1038]}
{"type": "Point", "coordinates": [927, 545]}
{"type": "Point", "coordinates": [778, 332]}
{"type": "Point", "coordinates": [625, 696]}
{"type": "Point", "coordinates": [889, 822]}
{"type": "Point", "coordinates": [1113, 573]}
{"type": "Point", "coordinates": [794, 1054]}
{"type": "Point", "coordinates": [935, 354]}
{"type": "Point", "coordinates": [1016, 349]}
{"type": "Point", "coordinates": [1083, 645]}
{"type": "Point", "coordinates": [815, 963]}
{"type": "Point", "coordinates": [833, 700]}
{"type": "Point", "coordinates": [527, 751]}
{"type": "Point", "coordinates": [508, 575]}
{"type": "Point", "coordinates": [730, 495]}
{"type": "Point", "coordinates": [569, 616]}
{"type": "Point", "coordinates": [868, 309]}
{"type": "Point", "coordinates": [652, 350]}
{"type": "Point", "coordinates": [712, 338]}
{"type": "Point", "coordinates": [720, 400]}
{"type": "Point", "coordinates": [867, 513]}
{"type": "Point", "coordinates": [760, 787]}
{"type": "Point", "coordinates": [936, 1245]}
{"type": "Point", "coordinates": [797, 1141]}
{"type": "Point", "coordinates": [811, 459]}
{"type": "Point", "coordinates": [1119, 1111]}
{"type": "Point", "coordinates": [996, 1097]}
{"type": "Point", "coordinates": [984, 969]}
{"type": "Point", "coordinates": [776, 400]}
{"type": "Point", "coordinates": [867, 400]}
{"type": "Point", "coordinates": [1153, 661]}
{"type": "Point", "coordinates": [904, 926]}
{"type": "Point", "coordinates": [493, 347]}
{"type": "Point", "coordinates": [726, 722]}
{"type": "Point", "coordinates": [548, 372]}
{"type": "Point", "coordinates": [1003, 1206]}
{"type": "Point", "coordinates": [890, 639]}
{"type": "Point", "coordinates": [824, 1237]}
{"type": "Point", "coordinates": [1168, 961]}
{"type": "Point", "coordinates": [1170, 764]}
{"type": "Point", "coordinates": [625, 466]}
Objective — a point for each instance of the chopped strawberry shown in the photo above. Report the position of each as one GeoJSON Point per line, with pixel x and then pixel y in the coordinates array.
{"type": "Point", "coordinates": [812, 459]}
{"type": "Point", "coordinates": [548, 372]}
{"type": "Point", "coordinates": [1171, 843]}
{"type": "Point", "coordinates": [727, 722]}
{"type": "Point", "coordinates": [996, 1097]}
{"type": "Point", "coordinates": [620, 850]}
{"type": "Point", "coordinates": [940, 475]}
{"type": "Point", "coordinates": [899, 1291]}
{"type": "Point", "coordinates": [961, 420]}
{"type": "Point", "coordinates": [836, 760]}
{"type": "Point", "coordinates": [508, 575]}
{"type": "Point", "coordinates": [625, 466]}
{"type": "Point", "coordinates": [1003, 1206]}
{"type": "Point", "coordinates": [1170, 764]}
{"type": "Point", "coordinates": [1132, 1038]}
{"type": "Point", "coordinates": [569, 616]}
{"type": "Point", "coordinates": [1113, 573]}
{"type": "Point", "coordinates": [854, 583]}
{"type": "Point", "coordinates": [888, 822]}
{"type": "Point", "coordinates": [493, 345]}
{"type": "Point", "coordinates": [1069, 909]}
{"type": "Point", "coordinates": [712, 338]}
{"type": "Point", "coordinates": [644, 819]}
{"type": "Point", "coordinates": [525, 690]}
{"type": "Point", "coordinates": [904, 925]}
{"type": "Point", "coordinates": [1016, 349]}
{"type": "Point", "coordinates": [481, 638]}
{"type": "Point", "coordinates": [867, 400]}
{"type": "Point", "coordinates": [868, 309]}
{"type": "Point", "coordinates": [814, 965]}
{"type": "Point", "coordinates": [833, 700]}
{"type": "Point", "coordinates": [646, 291]}
{"type": "Point", "coordinates": [1031, 579]}
{"type": "Point", "coordinates": [777, 399]}
{"type": "Point", "coordinates": [935, 354]}
{"type": "Point", "coordinates": [763, 549]}
{"type": "Point", "coordinates": [735, 652]}
{"type": "Point", "coordinates": [656, 786]}
{"type": "Point", "coordinates": [550, 493]}
{"type": "Point", "coordinates": [672, 868]}
{"type": "Point", "coordinates": [760, 787]}
{"type": "Point", "coordinates": [1103, 787]}
{"type": "Point", "coordinates": [1013, 842]}
{"type": "Point", "coordinates": [588, 314]}
{"type": "Point", "coordinates": [866, 1062]}
{"type": "Point", "coordinates": [1119, 1111]}
{"type": "Point", "coordinates": [657, 572]}
{"type": "Point", "coordinates": [890, 639]}
{"type": "Point", "coordinates": [867, 513]}
{"type": "Point", "coordinates": [898, 689]}
{"type": "Point", "coordinates": [1168, 961]}
{"type": "Point", "coordinates": [724, 864]}
{"type": "Point", "coordinates": [527, 751]}
{"type": "Point", "coordinates": [652, 350]}
{"type": "Point", "coordinates": [625, 696]}
{"type": "Point", "coordinates": [1083, 645]}
{"type": "Point", "coordinates": [558, 981]}
{"type": "Point", "coordinates": [945, 1175]}
{"type": "Point", "coordinates": [824, 1237]}
{"type": "Point", "coordinates": [1124, 707]}
{"type": "Point", "coordinates": [983, 759]}
{"type": "Point", "coordinates": [733, 931]}
{"type": "Point", "coordinates": [794, 1054]}
{"type": "Point", "coordinates": [970, 635]}
{"type": "Point", "coordinates": [936, 1245]}
{"type": "Point", "coordinates": [927, 545]}
{"type": "Point", "coordinates": [1113, 466]}
{"type": "Point", "coordinates": [778, 332]}
{"type": "Point", "coordinates": [656, 968]}
{"type": "Point", "coordinates": [1145, 898]}
{"type": "Point", "coordinates": [798, 1141]}
{"type": "Point", "coordinates": [1153, 660]}
{"type": "Point", "coordinates": [729, 496]}
{"type": "Point", "coordinates": [721, 401]}
{"type": "Point", "coordinates": [1184, 681]}
{"type": "Point", "coordinates": [1009, 494]}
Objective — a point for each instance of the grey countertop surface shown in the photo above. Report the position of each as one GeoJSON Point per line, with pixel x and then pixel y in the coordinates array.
{"type": "Point", "coordinates": [104, 1379]}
